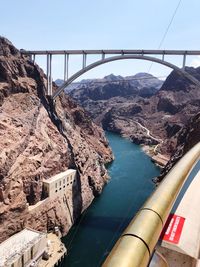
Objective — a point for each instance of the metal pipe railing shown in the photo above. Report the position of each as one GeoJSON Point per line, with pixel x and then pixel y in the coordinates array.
{"type": "Point", "coordinates": [137, 243]}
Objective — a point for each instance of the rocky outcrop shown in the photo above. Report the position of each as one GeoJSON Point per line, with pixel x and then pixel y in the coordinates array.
{"type": "Point", "coordinates": [187, 138]}
{"type": "Point", "coordinates": [141, 84]}
{"type": "Point", "coordinates": [38, 140]}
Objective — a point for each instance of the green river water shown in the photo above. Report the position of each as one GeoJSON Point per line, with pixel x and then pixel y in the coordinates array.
{"type": "Point", "coordinates": [93, 236]}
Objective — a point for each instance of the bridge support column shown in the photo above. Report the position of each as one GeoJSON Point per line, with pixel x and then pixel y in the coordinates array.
{"type": "Point", "coordinates": [103, 56]}
{"type": "Point", "coordinates": [66, 67]}
{"type": "Point", "coordinates": [184, 61]}
{"type": "Point", "coordinates": [34, 59]}
{"type": "Point", "coordinates": [84, 60]}
{"type": "Point", "coordinates": [50, 76]}
{"type": "Point", "coordinates": [49, 73]}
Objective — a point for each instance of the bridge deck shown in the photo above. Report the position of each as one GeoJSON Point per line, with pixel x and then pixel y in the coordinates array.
{"type": "Point", "coordinates": [112, 51]}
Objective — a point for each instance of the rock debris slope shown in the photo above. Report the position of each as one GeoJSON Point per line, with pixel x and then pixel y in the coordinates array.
{"type": "Point", "coordinates": [37, 141]}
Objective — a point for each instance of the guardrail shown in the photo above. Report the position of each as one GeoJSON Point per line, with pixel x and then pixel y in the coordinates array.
{"type": "Point", "coordinates": [136, 245]}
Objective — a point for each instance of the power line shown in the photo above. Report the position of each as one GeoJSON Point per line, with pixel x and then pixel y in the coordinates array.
{"type": "Point", "coordinates": [170, 23]}
{"type": "Point", "coordinates": [167, 29]}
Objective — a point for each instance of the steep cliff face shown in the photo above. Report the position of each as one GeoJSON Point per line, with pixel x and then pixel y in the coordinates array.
{"type": "Point", "coordinates": [179, 99]}
{"type": "Point", "coordinates": [187, 138]}
{"type": "Point", "coordinates": [39, 139]}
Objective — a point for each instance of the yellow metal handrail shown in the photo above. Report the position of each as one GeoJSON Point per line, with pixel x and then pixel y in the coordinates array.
{"type": "Point", "coordinates": [137, 243]}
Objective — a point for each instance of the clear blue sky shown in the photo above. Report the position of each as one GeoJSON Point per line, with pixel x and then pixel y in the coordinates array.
{"type": "Point", "coordinates": [102, 24]}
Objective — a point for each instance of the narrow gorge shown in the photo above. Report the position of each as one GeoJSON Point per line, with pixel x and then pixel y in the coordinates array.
{"type": "Point", "coordinates": [42, 138]}
{"type": "Point", "coordinates": [154, 119]}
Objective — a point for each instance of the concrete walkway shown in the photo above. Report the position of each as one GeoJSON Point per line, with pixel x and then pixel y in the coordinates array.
{"type": "Point", "coordinates": [189, 208]}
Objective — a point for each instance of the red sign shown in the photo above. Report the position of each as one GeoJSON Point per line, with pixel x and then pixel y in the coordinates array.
{"type": "Point", "coordinates": [173, 228]}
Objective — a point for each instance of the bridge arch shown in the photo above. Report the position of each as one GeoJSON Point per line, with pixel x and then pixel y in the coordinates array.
{"type": "Point", "coordinates": [122, 57]}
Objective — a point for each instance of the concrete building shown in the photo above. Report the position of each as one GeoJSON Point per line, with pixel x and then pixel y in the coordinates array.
{"type": "Point", "coordinates": [59, 184]}
{"type": "Point", "coordinates": [23, 249]}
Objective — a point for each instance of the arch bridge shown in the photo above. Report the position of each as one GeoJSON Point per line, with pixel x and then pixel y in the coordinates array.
{"type": "Point", "coordinates": [105, 57]}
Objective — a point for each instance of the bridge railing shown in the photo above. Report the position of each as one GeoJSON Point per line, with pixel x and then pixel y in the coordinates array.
{"type": "Point", "coordinates": [136, 245]}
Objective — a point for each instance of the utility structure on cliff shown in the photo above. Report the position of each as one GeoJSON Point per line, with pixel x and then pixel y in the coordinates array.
{"type": "Point", "coordinates": [105, 57]}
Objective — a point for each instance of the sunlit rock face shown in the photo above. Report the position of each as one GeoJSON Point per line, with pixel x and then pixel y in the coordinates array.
{"type": "Point", "coordinates": [39, 139]}
{"type": "Point", "coordinates": [187, 138]}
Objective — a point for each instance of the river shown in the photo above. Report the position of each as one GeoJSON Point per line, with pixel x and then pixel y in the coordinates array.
{"type": "Point", "coordinates": [93, 236]}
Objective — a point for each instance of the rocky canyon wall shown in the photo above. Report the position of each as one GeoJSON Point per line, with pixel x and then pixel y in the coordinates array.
{"type": "Point", "coordinates": [151, 119]}
{"type": "Point", "coordinates": [39, 139]}
{"type": "Point", "coordinates": [187, 138]}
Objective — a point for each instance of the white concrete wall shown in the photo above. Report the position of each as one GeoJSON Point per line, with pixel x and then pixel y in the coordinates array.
{"type": "Point", "coordinates": [38, 249]}
{"type": "Point", "coordinates": [61, 185]}
{"type": "Point", "coordinates": [27, 255]}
